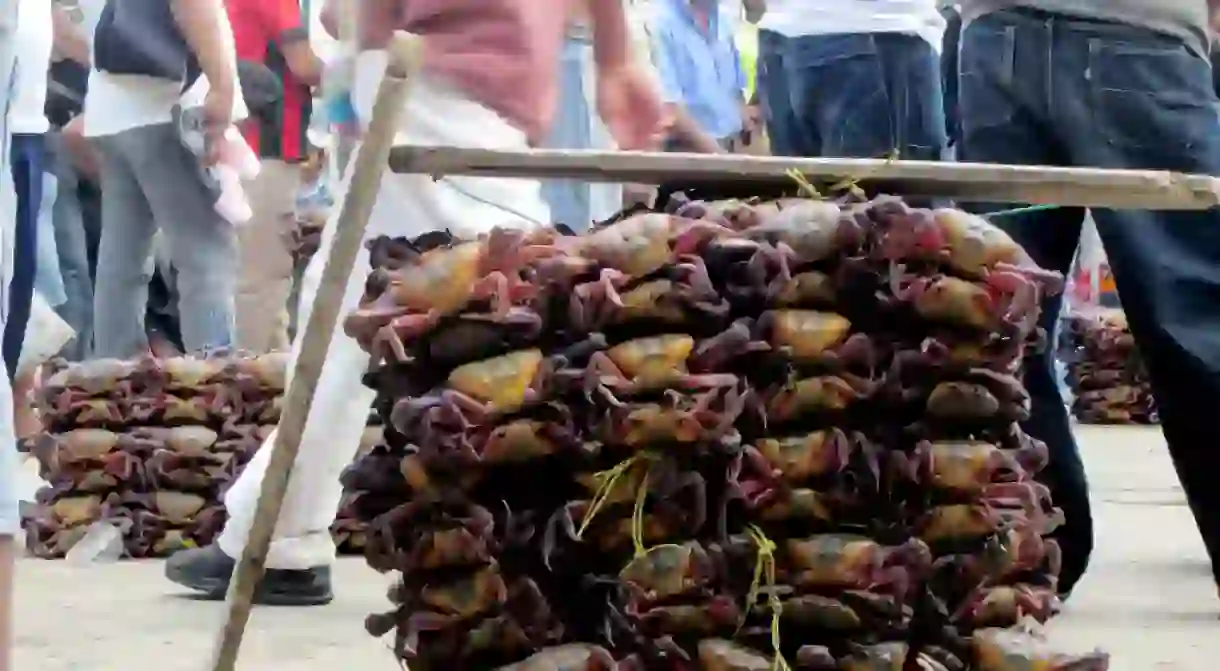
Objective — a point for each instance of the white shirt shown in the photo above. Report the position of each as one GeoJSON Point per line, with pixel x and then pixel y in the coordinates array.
{"type": "Point", "coordinates": [116, 103]}
{"type": "Point", "coordinates": [797, 18]}
{"type": "Point", "coordinates": [34, 42]}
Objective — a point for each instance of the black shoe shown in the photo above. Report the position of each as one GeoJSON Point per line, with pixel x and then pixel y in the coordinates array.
{"type": "Point", "coordinates": [207, 570]}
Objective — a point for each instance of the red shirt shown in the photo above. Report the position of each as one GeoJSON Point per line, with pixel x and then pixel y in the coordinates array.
{"type": "Point", "coordinates": [260, 27]}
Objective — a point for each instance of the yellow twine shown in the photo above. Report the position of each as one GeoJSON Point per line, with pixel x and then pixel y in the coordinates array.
{"type": "Point", "coordinates": [608, 481]}
{"type": "Point", "coordinates": [637, 516]}
{"type": "Point", "coordinates": [764, 568]}
{"type": "Point", "coordinates": [848, 184]}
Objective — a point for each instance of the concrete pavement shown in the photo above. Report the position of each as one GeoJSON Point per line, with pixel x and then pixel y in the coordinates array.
{"type": "Point", "coordinates": [1148, 599]}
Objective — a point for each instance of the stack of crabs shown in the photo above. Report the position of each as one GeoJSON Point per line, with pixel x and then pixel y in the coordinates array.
{"type": "Point", "coordinates": [1108, 378]}
{"type": "Point", "coordinates": [149, 445]}
{"type": "Point", "coordinates": [728, 436]}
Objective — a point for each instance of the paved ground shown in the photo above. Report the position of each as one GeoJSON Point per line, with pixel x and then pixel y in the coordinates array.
{"type": "Point", "coordinates": [1148, 599]}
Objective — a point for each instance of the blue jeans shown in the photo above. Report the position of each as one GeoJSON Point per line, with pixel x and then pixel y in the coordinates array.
{"type": "Point", "coordinates": [28, 165]}
{"type": "Point", "coordinates": [72, 247]}
{"type": "Point", "coordinates": [1040, 88]}
{"type": "Point", "coordinates": [150, 182]}
{"type": "Point", "coordinates": [855, 95]}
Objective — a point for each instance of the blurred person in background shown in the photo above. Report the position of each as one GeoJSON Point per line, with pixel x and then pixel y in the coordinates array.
{"type": "Point", "coordinates": [151, 181]}
{"type": "Point", "coordinates": [10, 519]}
{"type": "Point", "coordinates": [275, 34]}
{"type": "Point", "coordinates": [574, 202]}
{"type": "Point", "coordinates": [1111, 84]}
{"type": "Point", "coordinates": [852, 78]}
{"type": "Point", "coordinates": [490, 79]}
{"type": "Point", "coordinates": [75, 220]}
{"type": "Point", "coordinates": [702, 77]}
{"type": "Point", "coordinates": [27, 125]}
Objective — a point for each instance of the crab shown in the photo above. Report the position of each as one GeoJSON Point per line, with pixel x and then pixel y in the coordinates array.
{"type": "Point", "coordinates": [649, 365]}
{"type": "Point", "coordinates": [1006, 606]}
{"type": "Point", "coordinates": [889, 656]}
{"type": "Point", "coordinates": [92, 378]}
{"type": "Point", "coordinates": [75, 445]}
{"type": "Point", "coordinates": [847, 613]}
{"type": "Point", "coordinates": [805, 458]}
{"type": "Point", "coordinates": [968, 468]}
{"type": "Point", "coordinates": [644, 243]}
{"type": "Point", "coordinates": [515, 622]}
{"type": "Point", "coordinates": [405, 303]}
{"type": "Point", "coordinates": [72, 409]}
{"type": "Point", "coordinates": [672, 590]}
{"type": "Point", "coordinates": [189, 373]}
{"type": "Point", "coordinates": [1008, 505]}
{"type": "Point", "coordinates": [1005, 300]}
{"type": "Point", "coordinates": [846, 561]}
{"type": "Point", "coordinates": [419, 537]}
{"type": "Point", "coordinates": [263, 372]}
{"type": "Point", "coordinates": [799, 397]}
{"type": "Point", "coordinates": [103, 474]}
{"type": "Point", "coordinates": [179, 472]}
{"type": "Point", "coordinates": [475, 394]}
{"type": "Point", "coordinates": [680, 294]}
{"type": "Point", "coordinates": [676, 505]}
{"type": "Point", "coordinates": [706, 417]}
{"type": "Point", "coordinates": [1014, 552]}
{"type": "Point", "coordinates": [763, 489]}
{"type": "Point", "coordinates": [979, 394]}
{"type": "Point", "coordinates": [169, 409]}
{"type": "Point", "coordinates": [995, 649]}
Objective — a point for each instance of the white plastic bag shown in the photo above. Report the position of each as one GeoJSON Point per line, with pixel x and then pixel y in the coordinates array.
{"type": "Point", "coordinates": [45, 335]}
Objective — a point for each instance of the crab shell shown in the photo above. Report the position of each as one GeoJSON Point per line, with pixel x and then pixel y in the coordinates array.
{"type": "Point", "coordinates": [966, 467]}
{"type": "Point", "coordinates": [643, 243]}
{"type": "Point", "coordinates": [813, 230]}
{"type": "Point", "coordinates": [804, 335]}
{"type": "Point", "coordinates": [718, 614]}
{"type": "Point", "coordinates": [667, 571]}
{"type": "Point", "coordinates": [847, 561]}
{"type": "Point", "coordinates": [799, 459]}
{"type": "Point", "coordinates": [684, 418]}
{"type": "Point", "coordinates": [1007, 605]}
{"type": "Point", "coordinates": [820, 393]}
{"type": "Point", "coordinates": [1016, 650]}
{"type": "Point", "coordinates": [983, 394]}
{"type": "Point", "coordinates": [848, 612]}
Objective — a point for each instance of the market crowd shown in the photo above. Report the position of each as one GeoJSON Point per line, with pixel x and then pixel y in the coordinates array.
{"type": "Point", "coordinates": [131, 208]}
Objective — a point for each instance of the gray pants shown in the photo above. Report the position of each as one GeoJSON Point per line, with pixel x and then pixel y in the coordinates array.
{"type": "Point", "coordinates": [72, 247]}
{"type": "Point", "coordinates": [150, 181]}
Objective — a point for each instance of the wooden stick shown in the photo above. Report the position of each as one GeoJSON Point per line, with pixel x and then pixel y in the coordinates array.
{"type": "Point", "coordinates": [369, 166]}
{"type": "Point", "coordinates": [971, 182]}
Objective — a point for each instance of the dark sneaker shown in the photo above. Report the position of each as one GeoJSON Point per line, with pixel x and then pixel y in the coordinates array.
{"type": "Point", "coordinates": [207, 570]}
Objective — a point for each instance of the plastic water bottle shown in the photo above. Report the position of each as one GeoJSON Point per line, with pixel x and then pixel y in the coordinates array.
{"type": "Point", "coordinates": [101, 544]}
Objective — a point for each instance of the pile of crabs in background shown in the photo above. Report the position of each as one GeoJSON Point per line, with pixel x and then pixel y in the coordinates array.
{"type": "Point", "coordinates": [149, 447]}
{"type": "Point", "coordinates": [768, 435]}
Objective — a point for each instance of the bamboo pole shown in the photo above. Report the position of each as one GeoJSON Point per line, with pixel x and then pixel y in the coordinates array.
{"type": "Point", "coordinates": [369, 166]}
{"type": "Point", "coordinates": [968, 182]}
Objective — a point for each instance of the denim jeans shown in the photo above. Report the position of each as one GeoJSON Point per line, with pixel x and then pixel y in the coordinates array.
{"type": "Point", "coordinates": [28, 165]}
{"type": "Point", "coordinates": [578, 203]}
{"type": "Point", "coordinates": [150, 182]}
{"type": "Point", "coordinates": [70, 223]}
{"type": "Point", "coordinates": [1040, 88]}
{"type": "Point", "coordinates": [859, 95]}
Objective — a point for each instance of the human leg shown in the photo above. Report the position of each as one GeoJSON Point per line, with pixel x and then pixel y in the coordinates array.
{"type": "Point", "coordinates": [266, 264]}
{"type": "Point", "coordinates": [27, 168]}
{"type": "Point", "coordinates": [407, 205]}
{"type": "Point", "coordinates": [785, 132]}
{"type": "Point", "coordinates": [124, 255]}
{"type": "Point", "coordinates": [1140, 100]}
{"type": "Point", "coordinates": [869, 95]}
{"type": "Point", "coordinates": [72, 252]}
{"type": "Point", "coordinates": [1004, 120]}
{"type": "Point", "coordinates": [202, 245]}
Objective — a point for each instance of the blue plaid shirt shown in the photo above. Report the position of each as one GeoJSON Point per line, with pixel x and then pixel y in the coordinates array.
{"type": "Point", "coordinates": [699, 67]}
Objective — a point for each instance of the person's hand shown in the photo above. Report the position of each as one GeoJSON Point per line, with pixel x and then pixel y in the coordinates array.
{"type": "Point", "coordinates": [629, 103]}
{"type": "Point", "coordinates": [217, 117]}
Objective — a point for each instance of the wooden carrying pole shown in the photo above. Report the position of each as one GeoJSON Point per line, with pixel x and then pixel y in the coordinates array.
{"type": "Point", "coordinates": [370, 163]}
{"type": "Point", "coordinates": [968, 182]}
